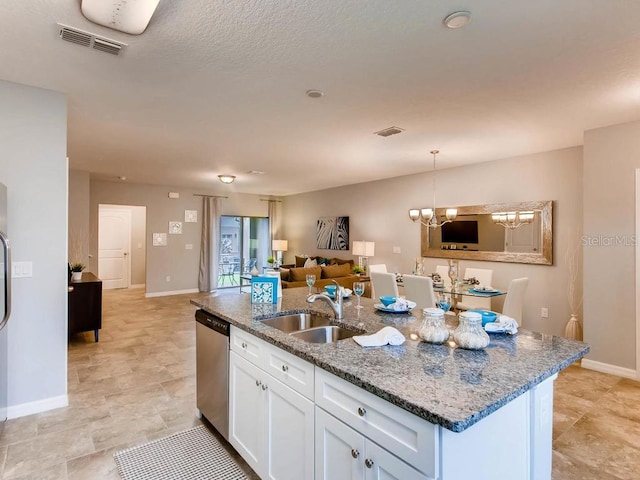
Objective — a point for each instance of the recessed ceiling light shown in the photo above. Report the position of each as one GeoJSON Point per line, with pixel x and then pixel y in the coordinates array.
{"type": "Point", "coordinates": [458, 19]}
{"type": "Point", "coordinates": [255, 172]}
{"type": "Point", "coordinates": [227, 178]}
{"type": "Point", "coordinates": [314, 93]}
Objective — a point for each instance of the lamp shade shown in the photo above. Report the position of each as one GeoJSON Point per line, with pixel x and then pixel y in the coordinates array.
{"type": "Point", "coordinates": [280, 245]}
{"type": "Point", "coordinates": [363, 248]}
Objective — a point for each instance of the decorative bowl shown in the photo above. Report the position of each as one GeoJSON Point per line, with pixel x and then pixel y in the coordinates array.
{"type": "Point", "coordinates": [487, 316]}
{"type": "Point", "coordinates": [387, 300]}
{"type": "Point", "coordinates": [331, 290]}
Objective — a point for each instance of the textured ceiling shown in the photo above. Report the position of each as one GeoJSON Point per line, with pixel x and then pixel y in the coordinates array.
{"type": "Point", "coordinates": [218, 86]}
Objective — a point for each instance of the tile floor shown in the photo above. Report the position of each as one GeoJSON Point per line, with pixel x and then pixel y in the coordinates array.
{"type": "Point", "coordinates": [138, 384]}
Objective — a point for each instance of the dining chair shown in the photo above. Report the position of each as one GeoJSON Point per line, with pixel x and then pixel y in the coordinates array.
{"type": "Point", "coordinates": [378, 267]}
{"type": "Point", "coordinates": [484, 276]}
{"type": "Point", "coordinates": [420, 290]}
{"type": "Point", "coordinates": [443, 271]}
{"type": "Point", "coordinates": [515, 299]}
{"type": "Point", "coordinates": [226, 271]}
{"type": "Point", "coordinates": [383, 283]}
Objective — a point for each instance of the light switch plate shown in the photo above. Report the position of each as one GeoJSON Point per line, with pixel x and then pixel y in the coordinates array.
{"type": "Point", "coordinates": [21, 269]}
{"type": "Point", "coordinates": [397, 250]}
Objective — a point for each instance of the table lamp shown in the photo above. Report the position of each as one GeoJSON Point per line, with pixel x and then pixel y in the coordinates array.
{"type": "Point", "coordinates": [279, 246]}
{"type": "Point", "coordinates": [364, 250]}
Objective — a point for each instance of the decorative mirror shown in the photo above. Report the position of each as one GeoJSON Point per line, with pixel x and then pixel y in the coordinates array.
{"type": "Point", "coordinates": [505, 232]}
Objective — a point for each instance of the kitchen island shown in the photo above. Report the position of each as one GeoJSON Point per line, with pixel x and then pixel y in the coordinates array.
{"type": "Point", "coordinates": [489, 412]}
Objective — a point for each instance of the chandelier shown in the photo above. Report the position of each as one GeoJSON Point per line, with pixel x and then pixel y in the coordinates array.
{"type": "Point", "coordinates": [512, 220]}
{"type": "Point", "coordinates": [427, 216]}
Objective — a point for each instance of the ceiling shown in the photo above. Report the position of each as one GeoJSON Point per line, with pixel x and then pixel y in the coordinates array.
{"type": "Point", "coordinates": [218, 86]}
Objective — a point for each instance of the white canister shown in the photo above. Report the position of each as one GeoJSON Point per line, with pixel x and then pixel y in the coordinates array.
{"type": "Point", "coordinates": [433, 329]}
{"type": "Point", "coordinates": [470, 334]}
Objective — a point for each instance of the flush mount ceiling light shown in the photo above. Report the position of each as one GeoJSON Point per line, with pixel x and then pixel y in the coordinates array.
{"type": "Point", "coordinates": [314, 93]}
{"type": "Point", "coordinates": [123, 178]}
{"type": "Point", "coordinates": [458, 19]}
{"type": "Point", "coordinates": [227, 178]}
{"type": "Point", "coordinates": [128, 16]}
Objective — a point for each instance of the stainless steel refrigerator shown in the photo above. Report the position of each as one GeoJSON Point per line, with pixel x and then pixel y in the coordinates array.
{"type": "Point", "coordinates": [5, 303]}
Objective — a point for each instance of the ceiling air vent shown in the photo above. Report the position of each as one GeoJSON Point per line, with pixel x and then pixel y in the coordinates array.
{"type": "Point", "coordinates": [90, 40]}
{"type": "Point", "coordinates": [387, 132]}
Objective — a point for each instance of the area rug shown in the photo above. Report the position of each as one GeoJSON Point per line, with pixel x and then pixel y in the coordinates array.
{"type": "Point", "coordinates": [194, 454]}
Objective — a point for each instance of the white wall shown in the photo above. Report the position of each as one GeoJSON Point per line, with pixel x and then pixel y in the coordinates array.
{"type": "Point", "coordinates": [611, 156]}
{"type": "Point", "coordinates": [33, 166]}
{"type": "Point", "coordinates": [378, 211]}
{"type": "Point", "coordinates": [174, 260]}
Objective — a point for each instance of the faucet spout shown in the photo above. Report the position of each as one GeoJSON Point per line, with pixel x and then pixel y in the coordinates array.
{"type": "Point", "coordinates": [335, 306]}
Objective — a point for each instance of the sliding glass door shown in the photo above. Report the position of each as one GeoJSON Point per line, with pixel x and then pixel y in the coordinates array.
{"type": "Point", "coordinates": [244, 243]}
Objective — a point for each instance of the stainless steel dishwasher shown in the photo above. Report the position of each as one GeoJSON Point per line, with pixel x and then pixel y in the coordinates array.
{"type": "Point", "coordinates": [212, 370]}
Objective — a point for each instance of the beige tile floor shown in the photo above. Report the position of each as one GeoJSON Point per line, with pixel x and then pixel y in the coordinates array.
{"type": "Point", "coordinates": [137, 384]}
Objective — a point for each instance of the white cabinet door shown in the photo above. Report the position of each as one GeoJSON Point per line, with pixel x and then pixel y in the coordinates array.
{"type": "Point", "coordinates": [290, 426]}
{"type": "Point", "coordinates": [339, 449]}
{"type": "Point", "coordinates": [381, 465]}
{"type": "Point", "coordinates": [246, 410]}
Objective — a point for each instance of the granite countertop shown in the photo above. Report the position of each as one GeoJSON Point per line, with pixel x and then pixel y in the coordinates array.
{"type": "Point", "coordinates": [443, 384]}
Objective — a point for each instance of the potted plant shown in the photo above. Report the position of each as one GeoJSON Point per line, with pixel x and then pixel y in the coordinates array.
{"type": "Point", "coordinates": [357, 269]}
{"type": "Point", "coordinates": [76, 271]}
{"type": "Point", "coordinates": [271, 261]}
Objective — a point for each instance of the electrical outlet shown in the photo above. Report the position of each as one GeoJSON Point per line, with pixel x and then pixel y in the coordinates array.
{"type": "Point", "coordinates": [188, 246]}
{"type": "Point", "coordinates": [168, 279]}
{"type": "Point", "coordinates": [544, 312]}
{"type": "Point", "coordinates": [397, 250]}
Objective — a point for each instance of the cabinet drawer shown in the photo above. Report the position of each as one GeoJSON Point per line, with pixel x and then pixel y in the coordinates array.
{"type": "Point", "coordinates": [407, 436]}
{"type": "Point", "coordinates": [246, 345]}
{"type": "Point", "coordinates": [294, 372]}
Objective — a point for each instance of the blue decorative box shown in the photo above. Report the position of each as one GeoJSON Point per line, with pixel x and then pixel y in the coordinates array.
{"type": "Point", "coordinates": [264, 289]}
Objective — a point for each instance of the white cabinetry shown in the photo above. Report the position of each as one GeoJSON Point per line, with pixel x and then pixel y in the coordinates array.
{"type": "Point", "coordinates": [343, 453]}
{"type": "Point", "coordinates": [270, 424]}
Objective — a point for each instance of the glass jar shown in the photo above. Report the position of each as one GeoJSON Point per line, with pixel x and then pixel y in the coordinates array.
{"type": "Point", "coordinates": [433, 328]}
{"type": "Point", "coordinates": [470, 334]}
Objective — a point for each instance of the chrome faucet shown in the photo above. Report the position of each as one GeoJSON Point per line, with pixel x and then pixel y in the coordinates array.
{"type": "Point", "coordinates": [335, 306]}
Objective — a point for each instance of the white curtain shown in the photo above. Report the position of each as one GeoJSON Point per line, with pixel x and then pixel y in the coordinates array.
{"type": "Point", "coordinates": [209, 244]}
{"type": "Point", "coordinates": [274, 223]}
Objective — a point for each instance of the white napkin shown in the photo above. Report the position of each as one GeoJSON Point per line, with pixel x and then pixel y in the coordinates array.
{"type": "Point", "coordinates": [401, 305]}
{"type": "Point", "coordinates": [502, 324]}
{"type": "Point", "coordinates": [384, 336]}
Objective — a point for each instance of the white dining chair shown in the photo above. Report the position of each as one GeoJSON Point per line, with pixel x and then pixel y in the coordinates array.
{"type": "Point", "coordinates": [515, 299]}
{"type": "Point", "coordinates": [378, 267]}
{"type": "Point", "coordinates": [420, 290]}
{"type": "Point", "coordinates": [443, 271]}
{"type": "Point", "coordinates": [383, 283]}
{"type": "Point", "coordinates": [484, 276]}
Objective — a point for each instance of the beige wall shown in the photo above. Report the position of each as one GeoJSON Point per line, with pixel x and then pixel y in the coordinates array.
{"type": "Point", "coordinates": [611, 157]}
{"type": "Point", "coordinates": [173, 261]}
{"type": "Point", "coordinates": [78, 216]}
{"type": "Point", "coordinates": [378, 211]}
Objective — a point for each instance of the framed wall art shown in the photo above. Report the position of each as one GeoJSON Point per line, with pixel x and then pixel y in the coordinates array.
{"type": "Point", "coordinates": [332, 233]}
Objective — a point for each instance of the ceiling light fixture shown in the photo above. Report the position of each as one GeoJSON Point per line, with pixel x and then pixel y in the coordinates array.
{"type": "Point", "coordinates": [227, 178]}
{"type": "Point", "coordinates": [315, 93]}
{"type": "Point", "coordinates": [458, 19]}
{"type": "Point", "coordinates": [128, 16]}
{"type": "Point", "coordinates": [512, 220]}
{"type": "Point", "coordinates": [122, 178]}
{"type": "Point", "coordinates": [429, 214]}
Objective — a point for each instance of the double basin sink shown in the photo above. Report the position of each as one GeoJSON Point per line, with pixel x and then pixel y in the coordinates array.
{"type": "Point", "coordinates": [310, 327]}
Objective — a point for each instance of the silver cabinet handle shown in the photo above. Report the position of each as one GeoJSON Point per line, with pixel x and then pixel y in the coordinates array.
{"type": "Point", "coordinates": [7, 279]}
{"type": "Point", "coordinates": [244, 345]}
{"type": "Point", "coordinates": [264, 387]}
{"type": "Point", "coordinates": [368, 462]}
{"type": "Point", "coordinates": [361, 411]}
{"type": "Point", "coordinates": [355, 453]}
{"type": "Point", "coordinates": [285, 368]}
{"type": "Point", "coordinates": [258, 383]}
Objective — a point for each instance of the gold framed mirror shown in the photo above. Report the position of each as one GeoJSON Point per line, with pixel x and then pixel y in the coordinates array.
{"type": "Point", "coordinates": [475, 234]}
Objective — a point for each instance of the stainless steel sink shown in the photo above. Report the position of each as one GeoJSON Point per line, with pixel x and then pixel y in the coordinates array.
{"type": "Point", "coordinates": [326, 334]}
{"type": "Point", "coordinates": [298, 321]}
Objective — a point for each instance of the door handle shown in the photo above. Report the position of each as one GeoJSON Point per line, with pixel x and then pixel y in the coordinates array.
{"type": "Point", "coordinates": [126, 253]}
{"type": "Point", "coordinates": [7, 279]}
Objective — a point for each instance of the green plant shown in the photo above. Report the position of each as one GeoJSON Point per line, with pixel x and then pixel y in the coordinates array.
{"type": "Point", "coordinates": [78, 267]}
{"type": "Point", "coordinates": [271, 260]}
{"type": "Point", "coordinates": [358, 269]}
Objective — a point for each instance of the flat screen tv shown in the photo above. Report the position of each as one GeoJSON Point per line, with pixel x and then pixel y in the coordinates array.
{"type": "Point", "coordinates": [460, 231]}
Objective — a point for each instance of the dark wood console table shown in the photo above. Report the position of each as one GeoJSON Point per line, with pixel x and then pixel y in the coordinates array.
{"type": "Point", "coordinates": [85, 304]}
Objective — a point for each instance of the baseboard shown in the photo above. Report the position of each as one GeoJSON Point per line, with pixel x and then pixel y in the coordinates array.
{"type": "Point", "coordinates": [38, 406]}
{"type": "Point", "coordinates": [138, 285]}
{"type": "Point", "coordinates": [610, 369]}
{"type": "Point", "coordinates": [174, 292]}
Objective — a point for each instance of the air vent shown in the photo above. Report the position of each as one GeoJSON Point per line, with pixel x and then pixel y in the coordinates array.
{"type": "Point", "coordinates": [387, 132]}
{"type": "Point", "coordinates": [87, 39]}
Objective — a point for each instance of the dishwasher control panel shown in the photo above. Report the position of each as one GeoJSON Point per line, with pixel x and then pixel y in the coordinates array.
{"type": "Point", "coordinates": [213, 322]}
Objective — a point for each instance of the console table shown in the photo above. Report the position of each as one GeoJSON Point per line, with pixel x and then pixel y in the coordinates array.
{"type": "Point", "coordinates": [85, 305]}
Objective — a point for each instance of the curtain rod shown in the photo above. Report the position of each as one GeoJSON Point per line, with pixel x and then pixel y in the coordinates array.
{"type": "Point", "coordinates": [270, 200]}
{"type": "Point", "coordinates": [208, 196]}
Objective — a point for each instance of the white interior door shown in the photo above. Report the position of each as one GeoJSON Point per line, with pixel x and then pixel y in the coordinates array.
{"type": "Point", "coordinates": [114, 238]}
{"type": "Point", "coordinates": [525, 238]}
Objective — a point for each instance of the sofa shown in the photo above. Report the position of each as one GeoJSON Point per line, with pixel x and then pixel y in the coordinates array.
{"type": "Point", "coordinates": [327, 270]}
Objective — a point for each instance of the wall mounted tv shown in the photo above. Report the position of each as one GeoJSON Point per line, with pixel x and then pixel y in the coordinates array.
{"type": "Point", "coordinates": [460, 231]}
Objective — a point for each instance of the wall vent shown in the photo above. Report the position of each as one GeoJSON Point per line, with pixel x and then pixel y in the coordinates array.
{"type": "Point", "coordinates": [387, 132]}
{"type": "Point", "coordinates": [87, 39]}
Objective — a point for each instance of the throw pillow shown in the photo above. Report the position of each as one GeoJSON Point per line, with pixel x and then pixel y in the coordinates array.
{"type": "Point", "coordinates": [284, 274]}
{"type": "Point", "coordinates": [300, 274]}
{"type": "Point", "coordinates": [335, 271]}
{"type": "Point", "coordinates": [310, 263]}
{"type": "Point", "coordinates": [300, 261]}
